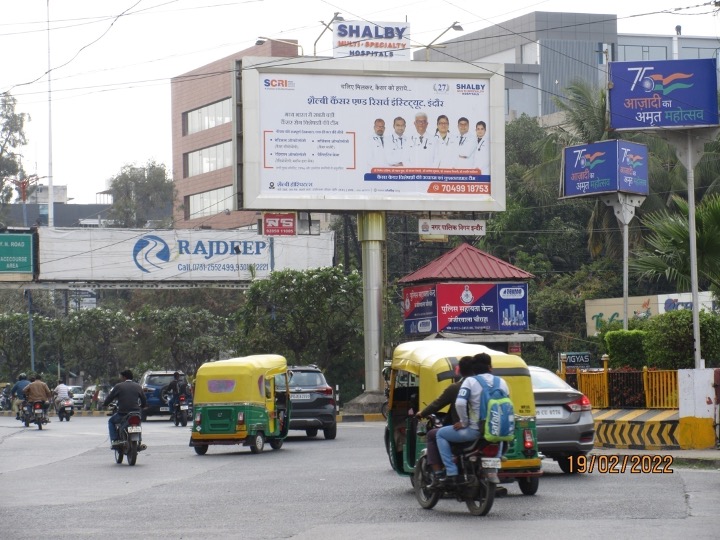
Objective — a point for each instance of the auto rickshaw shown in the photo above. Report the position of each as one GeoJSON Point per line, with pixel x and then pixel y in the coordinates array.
{"type": "Point", "coordinates": [241, 401]}
{"type": "Point", "coordinates": [421, 370]}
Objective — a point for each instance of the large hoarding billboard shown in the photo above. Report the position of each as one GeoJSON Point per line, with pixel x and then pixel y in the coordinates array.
{"type": "Point", "coordinates": [604, 167]}
{"type": "Point", "coordinates": [385, 40]}
{"type": "Point", "coordinates": [174, 255]}
{"type": "Point", "coordinates": [372, 135]}
{"type": "Point", "coordinates": [663, 94]}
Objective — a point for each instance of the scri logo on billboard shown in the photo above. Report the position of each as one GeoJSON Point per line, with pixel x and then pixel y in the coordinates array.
{"type": "Point", "coordinates": [279, 83]}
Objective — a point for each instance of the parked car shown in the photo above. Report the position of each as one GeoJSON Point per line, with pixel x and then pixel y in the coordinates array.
{"type": "Point", "coordinates": [152, 383]}
{"type": "Point", "coordinates": [313, 402]}
{"type": "Point", "coordinates": [78, 396]}
{"type": "Point", "coordinates": [564, 421]}
{"type": "Point", "coordinates": [103, 391]}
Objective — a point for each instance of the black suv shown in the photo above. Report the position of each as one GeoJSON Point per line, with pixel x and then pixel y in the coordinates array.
{"type": "Point", "coordinates": [152, 383]}
{"type": "Point", "coordinates": [313, 402]}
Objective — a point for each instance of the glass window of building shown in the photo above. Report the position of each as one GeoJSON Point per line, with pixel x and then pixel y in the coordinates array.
{"type": "Point", "coordinates": [207, 117]}
{"type": "Point", "coordinates": [209, 203]}
{"type": "Point", "coordinates": [208, 159]}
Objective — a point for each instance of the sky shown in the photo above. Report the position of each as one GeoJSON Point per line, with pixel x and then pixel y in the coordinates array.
{"type": "Point", "coordinates": [107, 103]}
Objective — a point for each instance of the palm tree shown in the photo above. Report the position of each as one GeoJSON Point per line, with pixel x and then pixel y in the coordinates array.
{"type": "Point", "coordinates": [667, 251]}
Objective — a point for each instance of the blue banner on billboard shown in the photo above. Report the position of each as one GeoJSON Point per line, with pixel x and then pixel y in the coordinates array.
{"type": "Point", "coordinates": [604, 167]}
{"type": "Point", "coordinates": [662, 94]}
{"type": "Point", "coordinates": [420, 309]}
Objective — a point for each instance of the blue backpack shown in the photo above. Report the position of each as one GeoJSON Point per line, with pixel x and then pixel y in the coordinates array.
{"type": "Point", "coordinates": [496, 409]}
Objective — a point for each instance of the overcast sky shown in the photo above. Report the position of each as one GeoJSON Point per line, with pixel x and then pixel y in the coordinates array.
{"type": "Point", "coordinates": [113, 60]}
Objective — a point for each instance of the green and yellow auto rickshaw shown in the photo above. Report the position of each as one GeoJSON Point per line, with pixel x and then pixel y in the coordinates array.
{"type": "Point", "coordinates": [241, 401]}
{"type": "Point", "coordinates": [421, 370]}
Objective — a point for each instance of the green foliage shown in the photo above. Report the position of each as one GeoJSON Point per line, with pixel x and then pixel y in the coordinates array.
{"type": "Point", "coordinates": [142, 195]}
{"type": "Point", "coordinates": [12, 139]}
{"type": "Point", "coordinates": [668, 342]}
{"type": "Point", "coordinates": [625, 348]}
{"type": "Point", "coordinates": [522, 138]}
{"type": "Point", "coordinates": [312, 316]}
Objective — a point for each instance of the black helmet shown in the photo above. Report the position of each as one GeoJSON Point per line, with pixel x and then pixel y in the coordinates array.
{"type": "Point", "coordinates": [176, 375]}
{"type": "Point", "coordinates": [22, 376]}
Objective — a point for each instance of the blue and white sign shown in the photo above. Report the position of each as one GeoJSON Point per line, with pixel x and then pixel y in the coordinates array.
{"type": "Point", "coordinates": [603, 167]}
{"type": "Point", "coordinates": [381, 40]}
{"type": "Point", "coordinates": [663, 94]}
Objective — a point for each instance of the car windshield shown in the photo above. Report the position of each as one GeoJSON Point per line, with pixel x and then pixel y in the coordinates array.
{"type": "Point", "coordinates": [159, 380]}
{"type": "Point", "coordinates": [306, 378]}
{"type": "Point", "coordinates": [76, 389]}
{"type": "Point", "coordinates": [545, 380]}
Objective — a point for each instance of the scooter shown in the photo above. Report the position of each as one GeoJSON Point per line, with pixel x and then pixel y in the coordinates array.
{"type": "Point", "coordinates": [478, 463]}
{"type": "Point", "coordinates": [130, 437]}
{"type": "Point", "coordinates": [64, 409]}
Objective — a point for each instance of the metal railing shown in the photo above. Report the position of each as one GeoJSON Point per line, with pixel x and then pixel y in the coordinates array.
{"type": "Point", "coordinates": [622, 389]}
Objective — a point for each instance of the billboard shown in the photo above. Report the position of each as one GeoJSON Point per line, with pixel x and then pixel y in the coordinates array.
{"type": "Point", "coordinates": [382, 40]}
{"type": "Point", "coordinates": [465, 307]}
{"type": "Point", "coordinates": [356, 134]}
{"type": "Point", "coordinates": [174, 255]}
{"type": "Point", "coordinates": [603, 167]}
{"type": "Point", "coordinates": [663, 94]}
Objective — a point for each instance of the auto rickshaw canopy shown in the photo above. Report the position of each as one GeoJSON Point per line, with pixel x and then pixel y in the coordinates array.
{"type": "Point", "coordinates": [237, 379]}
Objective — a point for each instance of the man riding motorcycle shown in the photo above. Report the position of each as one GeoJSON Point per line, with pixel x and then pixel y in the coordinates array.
{"type": "Point", "coordinates": [39, 391]}
{"type": "Point", "coordinates": [16, 394]}
{"type": "Point", "coordinates": [175, 387]}
{"type": "Point", "coordinates": [130, 397]}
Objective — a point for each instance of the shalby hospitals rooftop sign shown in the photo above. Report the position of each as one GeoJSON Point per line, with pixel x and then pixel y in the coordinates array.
{"type": "Point", "coordinates": [382, 40]}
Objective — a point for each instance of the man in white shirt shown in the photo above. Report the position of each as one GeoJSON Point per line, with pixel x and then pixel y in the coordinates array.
{"type": "Point", "coordinates": [399, 144]}
{"type": "Point", "coordinates": [62, 392]}
{"type": "Point", "coordinates": [482, 151]}
{"type": "Point", "coordinates": [377, 157]}
{"type": "Point", "coordinates": [422, 146]}
{"type": "Point", "coordinates": [466, 145]}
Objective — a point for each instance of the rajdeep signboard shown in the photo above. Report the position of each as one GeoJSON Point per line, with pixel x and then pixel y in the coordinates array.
{"type": "Point", "coordinates": [358, 134]}
{"type": "Point", "coordinates": [384, 40]}
{"type": "Point", "coordinates": [174, 255]}
{"type": "Point", "coordinates": [663, 94]}
{"type": "Point", "coordinates": [16, 254]}
{"type": "Point", "coordinates": [603, 167]}
{"type": "Point", "coordinates": [466, 307]}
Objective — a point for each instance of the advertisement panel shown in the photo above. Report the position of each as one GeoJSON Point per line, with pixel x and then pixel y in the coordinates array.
{"type": "Point", "coordinates": [371, 135]}
{"type": "Point", "coordinates": [174, 255]}
{"type": "Point", "coordinates": [472, 307]}
{"type": "Point", "coordinates": [385, 40]}
{"type": "Point", "coordinates": [465, 227]}
{"type": "Point", "coordinates": [663, 94]}
{"type": "Point", "coordinates": [279, 224]}
{"type": "Point", "coordinates": [420, 309]}
{"type": "Point", "coordinates": [604, 167]}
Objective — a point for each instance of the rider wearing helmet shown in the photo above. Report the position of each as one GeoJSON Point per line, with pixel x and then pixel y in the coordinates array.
{"type": "Point", "coordinates": [17, 395]}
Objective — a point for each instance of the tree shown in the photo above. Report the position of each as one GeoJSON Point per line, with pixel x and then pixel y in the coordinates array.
{"type": "Point", "coordinates": [311, 317]}
{"type": "Point", "coordinates": [142, 195]}
{"type": "Point", "coordinates": [12, 137]}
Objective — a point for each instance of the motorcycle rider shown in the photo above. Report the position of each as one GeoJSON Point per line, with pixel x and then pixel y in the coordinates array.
{"type": "Point", "coordinates": [62, 392]}
{"type": "Point", "coordinates": [16, 394]}
{"type": "Point", "coordinates": [177, 387]}
{"type": "Point", "coordinates": [39, 391]}
{"type": "Point", "coordinates": [130, 398]}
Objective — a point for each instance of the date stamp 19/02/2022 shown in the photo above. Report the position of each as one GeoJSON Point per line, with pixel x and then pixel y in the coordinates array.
{"type": "Point", "coordinates": [617, 464]}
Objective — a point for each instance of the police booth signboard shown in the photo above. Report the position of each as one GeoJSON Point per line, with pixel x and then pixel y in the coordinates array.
{"type": "Point", "coordinates": [663, 94]}
{"type": "Point", "coordinates": [603, 167]}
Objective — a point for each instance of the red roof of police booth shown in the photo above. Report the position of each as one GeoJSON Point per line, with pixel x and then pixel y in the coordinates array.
{"type": "Point", "coordinates": [466, 262]}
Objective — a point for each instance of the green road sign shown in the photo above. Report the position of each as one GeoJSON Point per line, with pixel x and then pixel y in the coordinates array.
{"type": "Point", "coordinates": [16, 253]}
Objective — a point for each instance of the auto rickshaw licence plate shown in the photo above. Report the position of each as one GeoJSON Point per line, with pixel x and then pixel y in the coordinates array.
{"type": "Point", "coordinates": [299, 397]}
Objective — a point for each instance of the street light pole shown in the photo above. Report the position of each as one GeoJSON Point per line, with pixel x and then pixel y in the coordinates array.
{"type": "Point", "coordinates": [454, 26]}
{"type": "Point", "coordinates": [336, 17]}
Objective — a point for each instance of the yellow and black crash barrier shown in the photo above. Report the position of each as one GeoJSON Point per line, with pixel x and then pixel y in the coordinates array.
{"type": "Point", "coordinates": [640, 429]}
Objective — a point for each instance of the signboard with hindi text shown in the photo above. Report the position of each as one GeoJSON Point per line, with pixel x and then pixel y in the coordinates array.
{"type": "Point", "coordinates": [663, 94]}
{"type": "Point", "coordinates": [603, 167]}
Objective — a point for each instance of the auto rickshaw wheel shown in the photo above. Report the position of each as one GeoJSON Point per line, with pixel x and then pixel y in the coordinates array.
{"type": "Point", "coordinates": [482, 499]}
{"type": "Point", "coordinates": [257, 442]}
{"type": "Point", "coordinates": [312, 432]}
{"type": "Point", "coordinates": [422, 478]}
{"type": "Point", "coordinates": [529, 485]}
{"type": "Point", "coordinates": [201, 450]}
{"type": "Point", "coordinates": [276, 444]}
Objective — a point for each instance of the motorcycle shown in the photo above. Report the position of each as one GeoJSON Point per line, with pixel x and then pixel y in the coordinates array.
{"type": "Point", "coordinates": [478, 463]}
{"type": "Point", "coordinates": [180, 409]}
{"type": "Point", "coordinates": [33, 413]}
{"type": "Point", "coordinates": [64, 409]}
{"type": "Point", "coordinates": [130, 437]}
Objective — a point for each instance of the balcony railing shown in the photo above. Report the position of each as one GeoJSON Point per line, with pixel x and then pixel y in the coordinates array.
{"type": "Point", "coordinates": [625, 389]}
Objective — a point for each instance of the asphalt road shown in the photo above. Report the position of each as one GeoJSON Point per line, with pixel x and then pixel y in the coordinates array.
{"type": "Point", "coordinates": [62, 482]}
